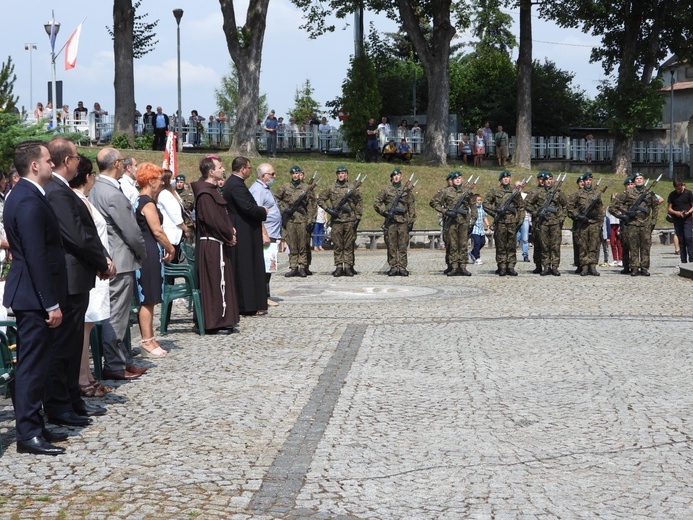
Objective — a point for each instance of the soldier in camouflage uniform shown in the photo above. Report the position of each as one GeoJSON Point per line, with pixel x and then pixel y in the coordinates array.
{"type": "Point", "coordinates": [344, 220]}
{"type": "Point", "coordinates": [444, 223]}
{"type": "Point", "coordinates": [625, 246]}
{"type": "Point", "coordinates": [587, 225]}
{"type": "Point", "coordinates": [457, 209]}
{"type": "Point", "coordinates": [505, 223]}
{"type": "Point", "coordinates": [548, 222]}
{"type": "Point", "coordinates": [311, 226]}
{"type": "Point", "coordinates": [297, 216]}
{"type": "Point", "coordinates": [576, 249]}
{"type": "Point", "coordinates": [398, 224]}
{"type": "Point", "coordinates": [188, 201]}
{"type": "Point", "coordinates": [536, 256]}
{"type": "Point", "coordinates": [637, 223]}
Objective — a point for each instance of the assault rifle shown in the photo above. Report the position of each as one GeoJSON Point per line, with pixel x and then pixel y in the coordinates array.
{"type": "Point", "coordinates": [506, 207]}
{"type": "Point", "coordinates": [637, 205]}
{"type": "Point", "coordinates": [296, 206]}
{"type": "Point", "coordinates": [451, 214]}
{"type": "Point", "coordinates": [583, 217]}
{"type": "Point", "coordinates": [546, 208]}
{"type": "Point", "coordinates": [394, 208]}
{"type": "Point", "coordinates": [341, 207]}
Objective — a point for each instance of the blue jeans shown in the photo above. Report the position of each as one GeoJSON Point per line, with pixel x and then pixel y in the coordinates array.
{"type": "Point", "coordinates": [479, 241]}
{"type": "Point", "coordinates": [523, 237]}
{"type": "Point", "coordinates": [319, 229]}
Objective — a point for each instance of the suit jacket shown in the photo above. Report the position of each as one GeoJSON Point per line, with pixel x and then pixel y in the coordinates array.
{"type": "Point", "coordinates": [84, 252]}
{"type": "Point", "coordinates": [37, 279]}
{"type": "Point", "coordinates": [124, 236]}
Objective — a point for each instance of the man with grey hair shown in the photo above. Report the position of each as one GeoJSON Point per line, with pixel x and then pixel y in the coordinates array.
{"type": "Point", "coordinates": [127, 251]}
{"type": "Point", "coordinates": [272, 227]}
{"type": "Point", "coordinates": [128, 181]}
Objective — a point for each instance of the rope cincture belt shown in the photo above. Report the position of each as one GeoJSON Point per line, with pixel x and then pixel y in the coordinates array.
{"type": "Point", "coordinates": [222, 284]}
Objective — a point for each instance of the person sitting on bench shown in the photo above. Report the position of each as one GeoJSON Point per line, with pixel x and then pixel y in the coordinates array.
{"type": "Point", "coordinates": [390, 151]}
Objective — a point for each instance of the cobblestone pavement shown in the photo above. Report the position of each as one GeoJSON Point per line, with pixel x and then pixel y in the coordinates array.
{"type": "Point", "coordinates": [393, 398]}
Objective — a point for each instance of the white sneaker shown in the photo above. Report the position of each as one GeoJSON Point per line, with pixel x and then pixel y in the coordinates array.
{"type": "Point", "coordinates": [614, 263]}
{"type": "Point", "coordinates": [478, 262]}
{"type": "Point", "coordinates": [620, 264]}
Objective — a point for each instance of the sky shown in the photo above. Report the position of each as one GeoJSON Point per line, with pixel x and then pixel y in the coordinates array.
{"type": "Point", "coordinates": [289, 56]}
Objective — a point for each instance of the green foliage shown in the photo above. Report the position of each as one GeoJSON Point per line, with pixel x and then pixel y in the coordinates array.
{"type": "Point", "coordinates": [144, 142]}
{"type": "Point", "coordinates": [492, 27]}
{"type": "Point", "coordinates": [634, 105]}
{"type": "Point", "coordinates": [7, 79]}
{"type": "Point", "coordinates": [143, 33]}
{"type": "Point", "coordinates": [13, 132]}
{"type": "Point", "coordinates": [361, 100]}
{"type": "Point", "coordinates": [227, 97]}
{"type": "Point", "coordinates": [557, 105]}
{"type": "Point", "coordinates": [120, 141]}
{"type": "Point", "coordinates": [304, 104]}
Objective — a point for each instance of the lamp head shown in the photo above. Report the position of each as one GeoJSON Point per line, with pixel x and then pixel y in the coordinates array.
{"type": "Point", "coordinates": [178, 13]}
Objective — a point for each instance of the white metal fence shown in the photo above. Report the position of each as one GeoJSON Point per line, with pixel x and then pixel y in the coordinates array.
{"type": "Point", "coordinates": [219, 134]}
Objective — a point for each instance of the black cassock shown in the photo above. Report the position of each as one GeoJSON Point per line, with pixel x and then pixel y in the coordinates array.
{"type": "Point", "coordinates": [247, 257]}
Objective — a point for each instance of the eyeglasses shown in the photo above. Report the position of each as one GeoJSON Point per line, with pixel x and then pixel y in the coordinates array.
{"type": "Point", "coordinates": [273, 174]}
{"type": "Point", "coordinates": [72, 157]}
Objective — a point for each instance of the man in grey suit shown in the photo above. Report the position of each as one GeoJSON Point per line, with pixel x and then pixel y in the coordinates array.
{"type": "Point", "coordinates": [127, 252]}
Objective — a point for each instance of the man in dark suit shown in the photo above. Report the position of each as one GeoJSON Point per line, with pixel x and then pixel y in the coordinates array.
{"type": "Point", "coordinates": [248, 261]}
{"type": "Point", "coordinates": [160, 122]}
{"type": "Point", "coordinates": [127, 251]}
{"type": "Point", "coordinates": [85, 258]}
{"type": "Point", "coordinates": [36, 289]}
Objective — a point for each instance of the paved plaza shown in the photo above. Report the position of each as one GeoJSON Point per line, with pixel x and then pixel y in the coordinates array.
{"type": "Point", "coordinates": [374, 397]}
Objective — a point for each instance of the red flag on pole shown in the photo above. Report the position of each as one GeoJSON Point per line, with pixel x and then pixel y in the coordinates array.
{"type": "Point", "coordinates": [71, 49]}
{"type": "Point", "coordinates": [171, 153]}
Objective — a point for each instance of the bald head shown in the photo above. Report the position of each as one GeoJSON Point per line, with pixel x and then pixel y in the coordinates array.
{"type": "Point", "coordinates": [110, 163]}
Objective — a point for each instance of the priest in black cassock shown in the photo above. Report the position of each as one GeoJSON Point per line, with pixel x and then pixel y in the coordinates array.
{"type": "Point", "coordinates": [247, 257]}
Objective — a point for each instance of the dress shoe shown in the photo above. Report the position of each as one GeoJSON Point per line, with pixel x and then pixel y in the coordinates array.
{"type": "Point", "coordinates": [308, 272]}
{"type": "Point", "coordinates": [392, 272]}
{"type": "Point", "coordinates": [38, 446]}
{"type": "Point", "coordinates": [119, 375]}
{"type": "Point", "coordinates": [70, 419]}
{"type": "Point", "coordinates": [136, 370]}
{"type": "Point", "coordinates": [91, 410]}
{"type": "Point", "coordinates": [463, 272]}
{"type": "Point", "coordinates": [348, 271]}
{"type": "Point", "coordinates": [338, 272]}
{"type": "Point", "coordinates": [292, 273]}
{"type": "Point", "coordinates": [53, 436]}
{"type": "Point", "coordinates": [511, 271]}
{"type": "Point", "coordinates": [555, 271]}
{"type": "Point", "coordinates": [302, 272]}
{"type": "Point", "coordinates": [626, 270]}
{"type": "Point", "coordinates": [644, 272]}
{"type": "Point", "coordinates": [403, 272]}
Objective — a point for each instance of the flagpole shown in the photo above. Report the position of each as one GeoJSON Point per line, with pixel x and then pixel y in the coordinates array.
{"type": "Point", "coordinates": [54, 28]}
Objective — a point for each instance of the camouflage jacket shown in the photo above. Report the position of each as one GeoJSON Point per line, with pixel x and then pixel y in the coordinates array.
{"type": "Point", "coordinates": [386, 197]}
{"type": "Point", "coordinates": [289, 194]}
{"type": "Point", "coordinates": [555, 212]}
{"type": "Point", "coordinates": [581, 200]}
{"type": "Point", "coordinates": [331, 196]}
{"type": "Point", "coordinates": [448, 199]}
{"type": "Point", "coordinates": [643, 215]}
{"type": "Point", "coordinates": [496, 198]}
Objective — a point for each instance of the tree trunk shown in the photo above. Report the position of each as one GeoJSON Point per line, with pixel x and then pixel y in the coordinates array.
{"type": "Point", "coordinates": [124, 78]}
{"type": "Point", "coordinates": [622, 160]}
{"type": "Point", "coordinates": [522, 156]}
{"type": "Point", "coordinates": [245, 47]}
{"type": "Point", "coordinates": [435, 57]}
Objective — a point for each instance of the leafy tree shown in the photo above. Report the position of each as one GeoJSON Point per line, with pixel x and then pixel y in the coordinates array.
{"type": "Point", "coordinates": [245, 47]}
{"type": "Point", "coordinates": [7, 79]}
{"type": "Point", "coordinates": [636, 35]}
{"type": "Point", "coordinates": [304, 104]}
{"type": "Point", "coordinates": [492, 27]}
{"type": "Point", "coordinates": [227, 97]}
{"type": "Point", "coordinates": [360, 99]}
{"type": "Point", "coordinates": [143, 34]}
{"type": "Point", "coordinates": [444, 16]}
{"type": "Point", "coordinates": [558, 105]}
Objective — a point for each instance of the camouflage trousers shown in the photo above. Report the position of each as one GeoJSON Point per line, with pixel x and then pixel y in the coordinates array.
{"type": "Point", "coordinates": [639, 241]}
{"type": "Point", "coordinates": [505, 241]}
{"type": "Point", "coordinates": [536, 242]}
{"type": "Point", "coordinates": [588, 237]}
{"type": "Point", "coordinates": [296, 240]}
{"type": "Point", "coordinates": [397, 240]}
{"type": "Point", "coordinates": [343, 238]}
{"type": "Point", "coordinates": [458, 244]}
{"type": "Point", "coordinates": [550, 238]}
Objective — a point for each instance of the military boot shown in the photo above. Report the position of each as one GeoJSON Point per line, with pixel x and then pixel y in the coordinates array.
{"type": "Point", "coordinates": [392, 272]}
{"type": "Point", "coordinates": [511, 271]}
{"type": "Point", "coordinates": [455, 272]}
{"type": "Point", "coordinates": [634, 272]}
{"type": "Point", "coordinates": [338, 272]}
{"type": "Point", "coordinates": [302, 272]}
{"type": "Point", "coordinates": [447, 270]}
{"type": "Point", "coordinates": [546, 271]}
{"type": "Point", "coordinates": [584, 270]}
{"type": "Point", "coordinates": [538, 270]}
{"type": "Point", "coordinates": [644, 272]}
{"type": "Point", "coordinates": [308, 271]}
{"type": "Point", "coordinates": [403, 272]}
{"type": "Point", "coordinates": [348, 271]}
{"type": "Point", "coordinates": [292, 273]}
{"type": "Point", "coordinates": [555, 271]}
{"type": "Point", "coordinates": [502, 271]}
{"type": "Point", "coordinates": [593, 270]}
{"type": "Point", "coordinates": [463, 271]}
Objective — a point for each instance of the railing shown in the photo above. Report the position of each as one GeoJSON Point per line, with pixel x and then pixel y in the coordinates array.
{"type": "Point", "coordinates": [219, 134]}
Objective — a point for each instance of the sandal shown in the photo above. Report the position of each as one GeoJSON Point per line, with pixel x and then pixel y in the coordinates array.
{"type": "Point", "coordinates": [88, 390]}
{"type": "Point", "coordinates": [156, 352]}
{"type": "Point", "coordinates": [101, 388]}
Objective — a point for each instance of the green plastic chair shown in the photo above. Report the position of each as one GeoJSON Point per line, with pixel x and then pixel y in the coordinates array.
{"type": "Point", "coordinates": [8, 357]}
{"type": "Point", "coordinates": [174, 291]}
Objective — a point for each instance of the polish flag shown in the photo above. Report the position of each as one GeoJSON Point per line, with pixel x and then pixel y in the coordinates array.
{"type": "Point", "coordinates": [71, 49]}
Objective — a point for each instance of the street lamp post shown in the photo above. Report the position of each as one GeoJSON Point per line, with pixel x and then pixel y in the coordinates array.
{"type": "Point", "coordinates": [31, 47]}
{"type": "Point", "coordinates": [672, 70]}
{"type": "Point", "coordinates": [52, 28]}
{"type": "Point", "coordinates": [178, 13]}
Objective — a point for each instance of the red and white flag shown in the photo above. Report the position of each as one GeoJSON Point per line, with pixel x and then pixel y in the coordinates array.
{"type": "Point", "coordinates": [170, 161]}
{"type": "Point", "coordinates": [71, 49]}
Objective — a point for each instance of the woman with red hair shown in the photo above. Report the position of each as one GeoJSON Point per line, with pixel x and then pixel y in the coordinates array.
{"type": "Point", "coordinates": [150, 178]}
